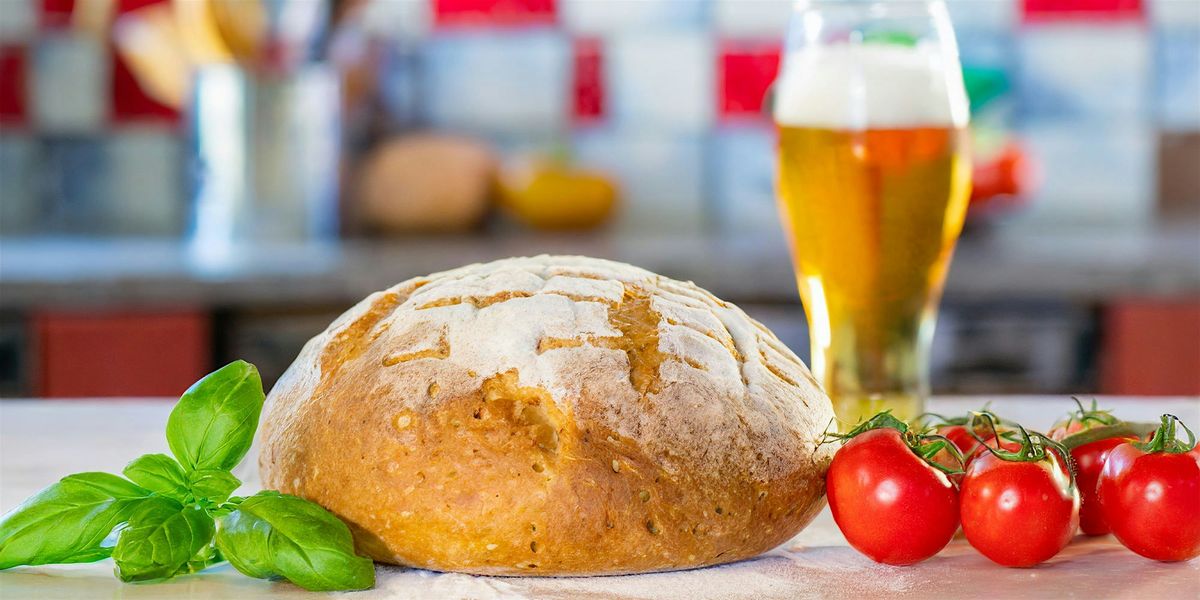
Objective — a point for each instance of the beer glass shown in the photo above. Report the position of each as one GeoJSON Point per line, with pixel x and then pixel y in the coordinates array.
{"type": "Point", "coordinates": [874, 177]}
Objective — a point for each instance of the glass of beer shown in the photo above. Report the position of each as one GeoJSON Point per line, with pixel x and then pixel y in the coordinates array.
{"type": "Point", "coordinates": [874, 177]}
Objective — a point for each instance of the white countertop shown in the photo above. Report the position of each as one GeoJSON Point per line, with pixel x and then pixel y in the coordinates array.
{"type": "Point", "coordinates": [42, 441]}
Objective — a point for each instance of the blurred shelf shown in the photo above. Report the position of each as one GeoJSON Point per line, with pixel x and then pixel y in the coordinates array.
{"type": "Point", "coordinates": [1085, 265]}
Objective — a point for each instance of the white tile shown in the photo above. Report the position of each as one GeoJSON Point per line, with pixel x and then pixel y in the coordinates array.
{"type": "Point", "coordinates": [742, 179]}
{"type": "Point", "coordinates": [1098, 172]}
{"type": "Point", "coordinates": [70, 78]}
{"type": "Point", "coordinates": [984, 14]}
{"type": "Point", "coordinates": [1177, 78]}
{"type": "Point", "coordinates": [397, 19]}
{"type": "Point", "coordinates": [498, 82]}
{"type": "Point", "coordinates": [20, 207]}
{"type": "Point", "coordinates": [73, 176]}
{"type": "Point", "coordinates": [1073, 70]}
{"type": "Point", "coordinates": [1184, 14]}
{"type": "Point", "coordinates": [752, 18]}
{"type": "Point", "coordinates": [613, 16]}
{"type": "Point", "coordinates": [663, 81]}
{"type": "Point", "coordinates": [987, 48]}
{"type": "Point", "coordinates": [660, 177]}
{"type": "Point", "coordinates": [18, 20]}
{"type": "Point", "coordinates": [145, 182]}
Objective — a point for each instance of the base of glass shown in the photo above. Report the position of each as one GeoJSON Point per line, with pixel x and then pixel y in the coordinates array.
{"type": "Point", "coordinates": [852, 409]}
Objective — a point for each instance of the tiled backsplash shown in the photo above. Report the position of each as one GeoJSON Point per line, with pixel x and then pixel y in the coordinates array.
{"type": "Point", "coordinates": [666, 95]}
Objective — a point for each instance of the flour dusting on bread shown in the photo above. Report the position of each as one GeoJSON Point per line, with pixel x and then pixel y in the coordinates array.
{"type": "Point", "coordinates": [548, 318]}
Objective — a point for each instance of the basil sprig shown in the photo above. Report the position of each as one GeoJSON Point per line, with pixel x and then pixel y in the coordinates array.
{"type": "Point", "coordinates": [173, 516]}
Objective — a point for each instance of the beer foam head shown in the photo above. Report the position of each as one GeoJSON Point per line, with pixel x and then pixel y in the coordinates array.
{"type": "Point", "coordinates": [870, 86]}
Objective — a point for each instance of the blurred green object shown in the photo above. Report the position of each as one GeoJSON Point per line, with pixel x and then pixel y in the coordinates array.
{"type": "Point", "coordinates": [894, 38]}
{"type": "Point", "coordinates": [984, 84]}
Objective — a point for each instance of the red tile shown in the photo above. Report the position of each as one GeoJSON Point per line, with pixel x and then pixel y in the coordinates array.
{"type": "Point", "coordinates": [130, 104]}
{"type": "Point", "coordinates": [492, 13]}
{"type": "Point", "coordinates": [106, 354]}
{"type": "Point", "coordinates": [1082, 10]}
{"type": "Point", "coordinates": [588, 81]}
{"type": "Point", "coordinates": [1151, 347]}
{"type": "Point", "coordinates": [56, 14]}
{"type": "Point", "coordinates": [745, 71]}
{"type": "Point", "coordinates": [12, 85]}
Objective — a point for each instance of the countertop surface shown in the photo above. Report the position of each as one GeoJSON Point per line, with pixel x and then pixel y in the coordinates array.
{"type": "Point", "coordinates": [41, 441]}
{"type": "Point", "coordinates": [1015, 262]}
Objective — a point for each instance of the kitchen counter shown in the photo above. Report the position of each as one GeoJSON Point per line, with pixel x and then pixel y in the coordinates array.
{"type": "Point", "coordinates": [1086, 265]}
{"type": "Point", "coordinates": [41, 441]}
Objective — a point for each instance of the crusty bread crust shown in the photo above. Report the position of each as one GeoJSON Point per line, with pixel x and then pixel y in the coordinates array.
{"type": "Point", "coordinates": [551, 416]}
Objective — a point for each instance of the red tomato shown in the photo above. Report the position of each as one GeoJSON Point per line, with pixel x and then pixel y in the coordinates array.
{"type": "Point", "coordinates": [1061, 430]}
{"type": "Point", "coordinates": [960, 435]}
{"type": "Point", "coordinates": [969, 448]}
{"type": "Point", "coordinates": [1152, 501]}
{"type": "Point", "coordinates": [957, 434]}
{"type": "Point", "coordinates": [889, 503]}
{"type": "Point", "coordinates": [1083, 419]}
{"type": "Point", "coordinates": [1018, 514]}
{"type": "Point", "coordinates": [1089, 460]}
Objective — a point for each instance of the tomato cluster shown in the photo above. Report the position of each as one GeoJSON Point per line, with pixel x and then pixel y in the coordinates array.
{"type": "Point", "coordinates": [899, 493]}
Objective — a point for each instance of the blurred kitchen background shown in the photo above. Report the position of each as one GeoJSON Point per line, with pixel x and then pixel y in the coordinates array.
{"type": "Point", "coordinates": [184, 182]}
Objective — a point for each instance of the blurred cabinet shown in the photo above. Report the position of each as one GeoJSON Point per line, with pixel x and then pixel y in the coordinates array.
{"type": "Point", "coordinates": [108, 354]}
{"type": "Point", "coordinates": [1146, 347]}
{"type": "Point", "coordinates": [1014, 347]}
{"type": "Point", "coordinates": [13, 368]}
{"type": "Point", "coordinates": [986, 347]}
{"type": "Point", "coordinates": [1151, 347]}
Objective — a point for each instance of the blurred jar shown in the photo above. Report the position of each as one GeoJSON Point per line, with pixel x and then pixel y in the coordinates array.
{"type": "Point", "coordinates": [267, 147]}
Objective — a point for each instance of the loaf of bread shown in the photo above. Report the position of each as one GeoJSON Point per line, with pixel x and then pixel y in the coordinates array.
{"type": "Point", "coordinates": [551, 416]}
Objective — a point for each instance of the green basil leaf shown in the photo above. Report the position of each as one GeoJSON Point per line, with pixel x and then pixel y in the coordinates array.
{"type": "Point", "coordinates": [213, 485]}
{"type": "Point", "coordinates": [68, 521]}
{"type": "Point", "coordinates": [205, 558]}
{"type": "Point", "coordinates": [276, 535]}
{"type": "Point", "coordinates": [213, 424]}
{"type": "Point", "coordinates": [158, 473]}
{"type": "Point", "coordinates": [225, 507]}
{"type": "Point", "coordinates": [162, 537]}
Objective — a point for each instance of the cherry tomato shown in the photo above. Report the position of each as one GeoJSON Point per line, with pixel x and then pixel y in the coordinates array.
{"type": "Point", "coordinates": [962, 432]}
{"type": "Point", "coordinates": [1083, 419]}
{"type": "Point", "coordinates": [1018, 514]}
{"type": "Point", "coordinates": [1089, 460]}
{"type": "Point", "coordinates": [890, 503]}
{"type": "Point", "coordinates": [957, 435]}
{"type": "Point", "coordinates": [960, 435]}
{"type": "Point", "coordinates": [1150, 496]}
{"type": "Point", "coordinates": [1091, 433]}
{"type": "Point", "coordinates": [1061, 431]}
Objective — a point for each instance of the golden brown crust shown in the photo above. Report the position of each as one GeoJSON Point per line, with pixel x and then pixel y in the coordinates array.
{"type": "Point", "coordinates": [621, 423]}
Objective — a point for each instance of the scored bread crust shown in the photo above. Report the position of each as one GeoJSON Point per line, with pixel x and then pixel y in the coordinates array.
{"type": "Point", "coordinates": [552, 415]}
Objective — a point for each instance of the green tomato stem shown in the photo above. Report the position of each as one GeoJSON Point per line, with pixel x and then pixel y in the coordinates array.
{"type": "Point", "coordinates": [1164, 439]}
{"type": "Point", "coordinates": [1033, 448]}
{"type": "Point", "coordinates": [1120, 429]}
{"type": "Point", "coordinates": [924, 445]}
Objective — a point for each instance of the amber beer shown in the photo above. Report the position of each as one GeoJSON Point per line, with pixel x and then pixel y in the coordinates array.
{"type": "Point", "coordinates": [872, 205]}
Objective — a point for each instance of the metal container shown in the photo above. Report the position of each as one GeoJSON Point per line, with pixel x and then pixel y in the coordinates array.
{"type": "Point", "coordinates": [266, 150]}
